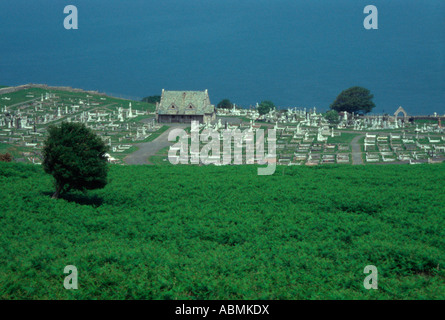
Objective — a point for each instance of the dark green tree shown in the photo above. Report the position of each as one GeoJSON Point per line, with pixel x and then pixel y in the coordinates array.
{"type": "Point", "coordinates": [152, 99]}
{"type": "Point", "coordinates": [265, 107]}
{"type": "Point", "coordinates": [355, 99]}
{"type": "Point", "coordinates": [332, 116]}
{"type": "Point", "coordinates": [75, 156]}
{"type": "Point", "coordinates": [225, 104]}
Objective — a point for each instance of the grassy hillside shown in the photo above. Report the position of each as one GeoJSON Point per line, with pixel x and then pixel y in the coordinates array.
{"type": "Point", "coordinates": [65, 97]}
{"type": "Point", "coordinates": [171, 232]}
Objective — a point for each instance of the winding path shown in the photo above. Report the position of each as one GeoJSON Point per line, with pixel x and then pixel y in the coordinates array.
{"type": "Point", "coordinates": [148, 149]}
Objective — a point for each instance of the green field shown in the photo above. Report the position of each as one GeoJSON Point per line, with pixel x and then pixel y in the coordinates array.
{"type": "Point", "coordinates": [190, 232]}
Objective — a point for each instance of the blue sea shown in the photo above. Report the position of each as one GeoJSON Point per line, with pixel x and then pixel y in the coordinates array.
{"type": "Point", "coordinates": [296, 53]}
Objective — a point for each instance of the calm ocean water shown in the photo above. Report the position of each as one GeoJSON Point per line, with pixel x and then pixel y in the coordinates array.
{"type": "Point", "coordinates": [293, 52]}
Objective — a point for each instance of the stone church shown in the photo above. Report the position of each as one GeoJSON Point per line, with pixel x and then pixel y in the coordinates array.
{"type": "Point", "coordinates": [185, 106]}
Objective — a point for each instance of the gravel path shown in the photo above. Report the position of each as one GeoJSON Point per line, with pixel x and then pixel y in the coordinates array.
{"type": "Point", "coordinates": [356, 150]}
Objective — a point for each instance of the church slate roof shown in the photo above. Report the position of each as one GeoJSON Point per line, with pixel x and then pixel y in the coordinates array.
{"type": "Point", "coordinates": [185, 102]}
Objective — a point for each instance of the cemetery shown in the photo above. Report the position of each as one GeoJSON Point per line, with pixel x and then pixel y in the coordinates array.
{"type": "Point", "coordinates": [306, 138]}
{"type": "Point", "coordinates": [303, 136]}
{"type": "Point", "coordinates": [25, 114]}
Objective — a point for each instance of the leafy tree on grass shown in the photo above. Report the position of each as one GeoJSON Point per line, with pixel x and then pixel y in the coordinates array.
{"type": "Point", "coordinates": [265, 107]}
{"type": "Point", "coordinates": [152, 99]}
{"type": "Point", "coordinates": [225, 104]}
{"type": "Point", "coordinates": [355, 99]}
{"type": "Point", "coordinates": [332, 116]}
{"type": "Point", "coordinates": [75, 156]}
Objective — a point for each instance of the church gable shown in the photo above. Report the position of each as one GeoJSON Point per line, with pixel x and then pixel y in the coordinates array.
{"type": "Point", "coordinates": [185, 106]}
{"type": "Point", "coordinates": [185, 102]}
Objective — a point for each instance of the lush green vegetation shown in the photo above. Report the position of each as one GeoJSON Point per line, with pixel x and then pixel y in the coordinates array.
{"type": "Point", "coordinates": [15, 151]}
{"type": "Point", "coordinates": [161, 157]}
{"type": "Point", "coordinates": [225, 104]}
{"type": "Point", "coordinates": [265, 106]}
{"type": "Point", "coordinates": [152, 99]}
{"type": "Point", "coordinates": [139, 118]}
{"type": "Point", "coordinates": [5, 147]}
{"type": "Point", "coordinates": [332, 116]}
{"type": "Point", "coordinates": [355, 99]}
{"type": "Point", "coordinates": [159, 160]}
{"type": "Point", "coordinates": [156, 134]}
{"type": "Point", "coordinates": [343, 138]}
{"type": "Point", "coordinates": [189, 232]}
{"type": "Point", "coordinates": [427, 121]}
